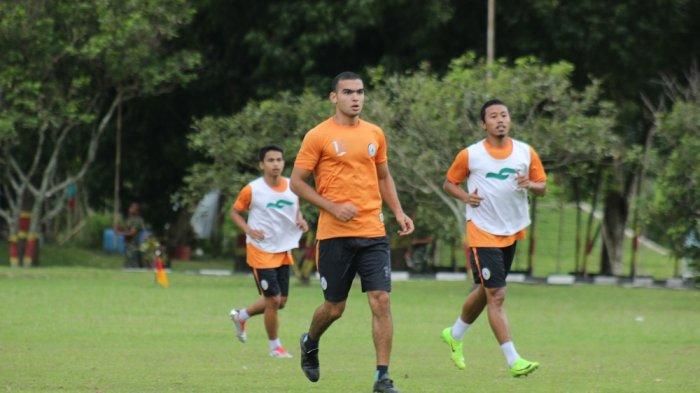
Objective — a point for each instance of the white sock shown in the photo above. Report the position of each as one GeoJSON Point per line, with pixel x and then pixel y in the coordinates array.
{"type": "Point", "coordinates": [274, 344]}
{"type": "Point", "coordinates": [243, 315]}
{"type": "Point", "coordinates": [509, 352]}
{"type": "Point", "coordinates": [459, 328]}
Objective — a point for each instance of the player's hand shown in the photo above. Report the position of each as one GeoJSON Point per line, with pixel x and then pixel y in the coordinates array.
{"type": "Point", "coordinates": [523, 181]}
{"type": "Point", "coordinates": [344, 212]}
{"type": "Point", "coordinates": [405, 224]}
{"type": "Point", "coordinates": [473, 199]}
{"type": "Point", "coordinates": [256, 234]}
{"type": "Point", "coordinates": [303, 225]}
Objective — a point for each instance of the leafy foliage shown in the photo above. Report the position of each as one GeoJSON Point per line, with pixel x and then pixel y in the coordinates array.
{"type": "Point", "coordinates": [677, 201]}
{"type": "Point", "coordinates": [231, 143]}
{"type": "Point", "coordinates": [427, 120]}
{"type": "Point", "coordinates": [66, 67]}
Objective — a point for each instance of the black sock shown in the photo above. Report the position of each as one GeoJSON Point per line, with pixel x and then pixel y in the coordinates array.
{"type": "Point", "coordinates": [310, 344]}
{"type": "Point", "coordinates": [381, 371]}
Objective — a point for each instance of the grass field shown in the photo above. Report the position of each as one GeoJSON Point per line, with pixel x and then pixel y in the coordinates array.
{"type": "Point", "coordinates": [75, 329]}
{"type": "Point", "coordinates": [555, 248]}
{"type": "Point", "coordinates": [554, 252]}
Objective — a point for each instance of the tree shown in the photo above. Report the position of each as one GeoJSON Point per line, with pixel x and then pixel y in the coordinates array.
{"type": "Point", "coordinates": [627, 45]}
{"type": "Point", "coordinates": [676, 203]}
{"type": "Point", "coordinates": [66, 67]}
{"type": "Point", "coordinates": [252, 50]}
{"type": "Point", "coordinates": [431, 118]}
{"type": "Point", "coordinates": [427, 119]}
{"type": "Point", "coordinates": [230, 143]}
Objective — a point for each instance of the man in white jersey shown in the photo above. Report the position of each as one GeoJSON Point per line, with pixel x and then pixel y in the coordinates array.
{"type": "Point", "coordinates": [273, 229]}
{"type": "Point", "coordinates": [500, 172]}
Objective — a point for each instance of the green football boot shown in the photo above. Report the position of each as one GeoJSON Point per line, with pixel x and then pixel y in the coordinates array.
{"type": "Point", "coordinates": [523, 367]}
{"type": "Point", "coordinates": [456, 348]}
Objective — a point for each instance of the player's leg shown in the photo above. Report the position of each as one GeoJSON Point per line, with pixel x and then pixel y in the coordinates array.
{"type": "Point", "coordinates": [471, 309]}
{"type": "Point", "coordinates": [374, 268]}
{"type": "Point", "coordinates": [382, 325]}
{"type": "Point", "coordinates": [256, 308]}
{"type": "Point", "coordinates": [284, 273]}
{"type": "Point", "coordinates": [520, 367]}
{"type": "Point", "coordinates": [337, 273]}
{"type": "Point", "coordinates": [239, 317]}
{"type": "Point", "coordinates": [492, 273]}
{"type": "Point", "coordinates": [476, 300]}
{"type": "Point", "coordinates": [275, 285]}
{"type": "Point", "coordinates": [495, 264]}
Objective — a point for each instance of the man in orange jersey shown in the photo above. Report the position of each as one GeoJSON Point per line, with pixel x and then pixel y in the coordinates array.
{"type": "Point", "coordinates": [500, 171]}
{"type": "Point", "coordinates": [273, 229]}
{"type": "Point", "coordinates": [348, 159]}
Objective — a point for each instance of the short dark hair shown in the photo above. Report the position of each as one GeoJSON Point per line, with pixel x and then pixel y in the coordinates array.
{"type": "Point", "coordinates": [265, 149]}
{"type": "Point", "coordinates": [344, 76]}
{"type": "Point", "coordinates": [489, 103]}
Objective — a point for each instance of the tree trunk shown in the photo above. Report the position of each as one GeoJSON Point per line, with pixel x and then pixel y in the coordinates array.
{"type": "Point", "coordinates": [560, 234]}
{"type": "Point", "coordinates": [613, 232]}
{"type": "Point", "coordinates": [533, 237]}
{"type": "Point", "coordinates": [579, 225]}
{"type": "Point", "coordinates": [117, 167]}
{"type": "Point", "coordinates": [591, 236]}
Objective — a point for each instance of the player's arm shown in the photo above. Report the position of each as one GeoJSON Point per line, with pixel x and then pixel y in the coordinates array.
{"type": "Point", "coordinates": [536, 180]}
{"type": "Point", "coordinates": [455, 176]}
{"type": "Point", "coordinates": [300, 186]}
{"type": "Point", "coordinates": [240, 221]}
{"type": "Point", "coordinates": [455, 191]}
{"type": "Point", "coordinates": [535, 187]}
{"type": "Point", "coordinates": [387, 188]}
{"type": "Point", "coordinates": [301, 221]}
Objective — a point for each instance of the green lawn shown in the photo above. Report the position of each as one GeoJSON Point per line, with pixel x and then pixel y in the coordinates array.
{"type": "Point", "coordinates": [554, 250]}
{"type": "Point", "coordinates": [69, 255]}
{"type": "Point", "coordinates": [78, 329]}
{"type": "Point", "coordinates": [556, 245]}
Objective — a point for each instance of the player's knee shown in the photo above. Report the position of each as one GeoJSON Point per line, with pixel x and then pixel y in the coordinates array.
{"type": "Point", "coordinates": [378, 300]}
{"type": "Point", "coordinates": [283, 302]}
{"type": "Point", "coordinates": [273, 302]}
{"type": "Point", "coordinates": [335, 310]}
{"type": "Point", "coordinates": [496, 296]}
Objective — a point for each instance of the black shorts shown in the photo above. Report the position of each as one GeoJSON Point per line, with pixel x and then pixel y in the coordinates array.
{"type": "Point", "coordinates": [491, 265]}
{"type": "Point", "coordinates": [341, 258]}
{"type": "Point", "coordinates": [272, 282]}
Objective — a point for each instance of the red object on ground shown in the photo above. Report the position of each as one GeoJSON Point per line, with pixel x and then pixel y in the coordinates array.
{"type": "Point", "coordinates": [183, 253]}
{"type": "Point", "coordinates": [14, 251]}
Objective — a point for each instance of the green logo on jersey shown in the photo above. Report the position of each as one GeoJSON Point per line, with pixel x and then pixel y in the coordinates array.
{"type": "Point", "coordinates": [279, 204]}
{"type": "Point", "coordinates": [502, 174]}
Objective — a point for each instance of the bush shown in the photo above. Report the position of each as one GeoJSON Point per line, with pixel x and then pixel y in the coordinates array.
{"type": "Point", "coordinates": [91, 234]}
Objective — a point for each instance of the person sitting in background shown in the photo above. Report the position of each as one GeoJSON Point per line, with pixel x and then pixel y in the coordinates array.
{"type": "Point", "coordinates": [133, 225]}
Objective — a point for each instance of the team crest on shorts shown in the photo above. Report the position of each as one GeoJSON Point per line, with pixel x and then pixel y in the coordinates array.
{"type": "Point", "coordinates": [372, 149]}
{"type": "Point", "coordinates": [324, 283]}
{"type": "Point", "coordinates": [486, 273]}
{"type": "Point", "coordinates": [264, 285]}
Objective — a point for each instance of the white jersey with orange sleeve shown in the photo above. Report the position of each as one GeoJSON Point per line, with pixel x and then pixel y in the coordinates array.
{"type": "Point", "coordinates": [274, 211]}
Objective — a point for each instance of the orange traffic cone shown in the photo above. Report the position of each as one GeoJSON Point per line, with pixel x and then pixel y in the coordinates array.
{"type": "Point", "coordinates": [161, 275]}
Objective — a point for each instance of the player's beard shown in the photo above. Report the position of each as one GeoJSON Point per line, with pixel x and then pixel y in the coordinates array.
{"type": "Point", "coordinates": [501, 132]}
